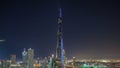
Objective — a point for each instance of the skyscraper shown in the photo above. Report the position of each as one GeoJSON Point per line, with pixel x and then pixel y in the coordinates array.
{"type": "Point", "coordinates": [59, 48]}
{"type": "Point", "coordinates": [24, 56]}
{"type": "Point", "coordinates": [30, 58]}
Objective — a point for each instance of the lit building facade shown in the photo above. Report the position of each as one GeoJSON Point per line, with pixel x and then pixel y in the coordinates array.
{"type": "Point", "coordinates": [30, 58]}
{"type": "Point", "coordinates": [24, 58]}
{"type": "Point", "coordinates": [13, 59]}
{"type": "Point", "coordinates": [59, 49]}
{"type": "Point", "coordinates": [0, 64]}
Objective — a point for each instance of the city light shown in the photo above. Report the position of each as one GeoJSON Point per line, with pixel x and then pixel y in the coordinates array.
{"type": "Point", "coordinates": [21, 56]}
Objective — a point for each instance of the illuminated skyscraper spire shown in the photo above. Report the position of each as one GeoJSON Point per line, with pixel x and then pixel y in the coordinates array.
{"type": "Point", "coordinates": [59, 49]}
{"type": "Point", "coordinates": [59, 37]}
{"type": "Point", "coordinates": [59, 34]}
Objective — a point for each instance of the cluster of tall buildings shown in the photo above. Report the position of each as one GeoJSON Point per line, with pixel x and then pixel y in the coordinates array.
{"type": "Point", "coordinates": [57, 61]}
{"type": "Point", "coordinates": [27, 60]}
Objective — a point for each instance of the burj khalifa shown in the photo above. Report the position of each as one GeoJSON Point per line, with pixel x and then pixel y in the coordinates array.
{"type": "Point", "coordinates": [59, 48]}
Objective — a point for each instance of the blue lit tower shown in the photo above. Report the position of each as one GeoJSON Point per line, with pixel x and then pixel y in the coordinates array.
{"type": "Point", "coordinates": [59, 48]}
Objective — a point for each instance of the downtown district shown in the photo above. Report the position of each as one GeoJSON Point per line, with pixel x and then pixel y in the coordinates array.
{"type": "Point", "coordinates": [28, 61]}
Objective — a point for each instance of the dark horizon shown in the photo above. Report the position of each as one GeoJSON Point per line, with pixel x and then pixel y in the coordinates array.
{"type": "Point", "coordinates": [90, 28]}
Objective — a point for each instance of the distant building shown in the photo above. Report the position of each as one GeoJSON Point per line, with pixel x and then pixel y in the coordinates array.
{"type": "Point", "coordinates": [37, 63]}
{"type": "Point", "coordinates": [30, 58]}
{"type": "Point", "coordinates": [24, 58]}
{"type": "Point", "coordinates": [3, 64]}
{"type": "Point", "coordinates": [0, 64]}
{"type": "Point", "coordinates": [13, 59]}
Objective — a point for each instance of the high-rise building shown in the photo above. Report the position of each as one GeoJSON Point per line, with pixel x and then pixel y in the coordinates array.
{"type": "Point", "coordinates": [13, 59]}
{"type": "Point", "coordinates": [30, 58]}
{"type": "Point", "coordinates": [24, 56]}
{"type": "Point", "coordinates": [3, 64]}
{"type": "Point", "coordinates": [0, 64]}
{"type": "Point", "coordinates": [59, 49]}
{"type": "Point", "coordinates": [45, 63]}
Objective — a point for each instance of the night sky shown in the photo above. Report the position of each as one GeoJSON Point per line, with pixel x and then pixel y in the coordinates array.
{"type": "Point", "coordinates": [91, 28]}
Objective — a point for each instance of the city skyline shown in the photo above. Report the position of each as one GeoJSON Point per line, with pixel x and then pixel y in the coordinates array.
{"type": "Point", "coordinates": [90, 28]}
